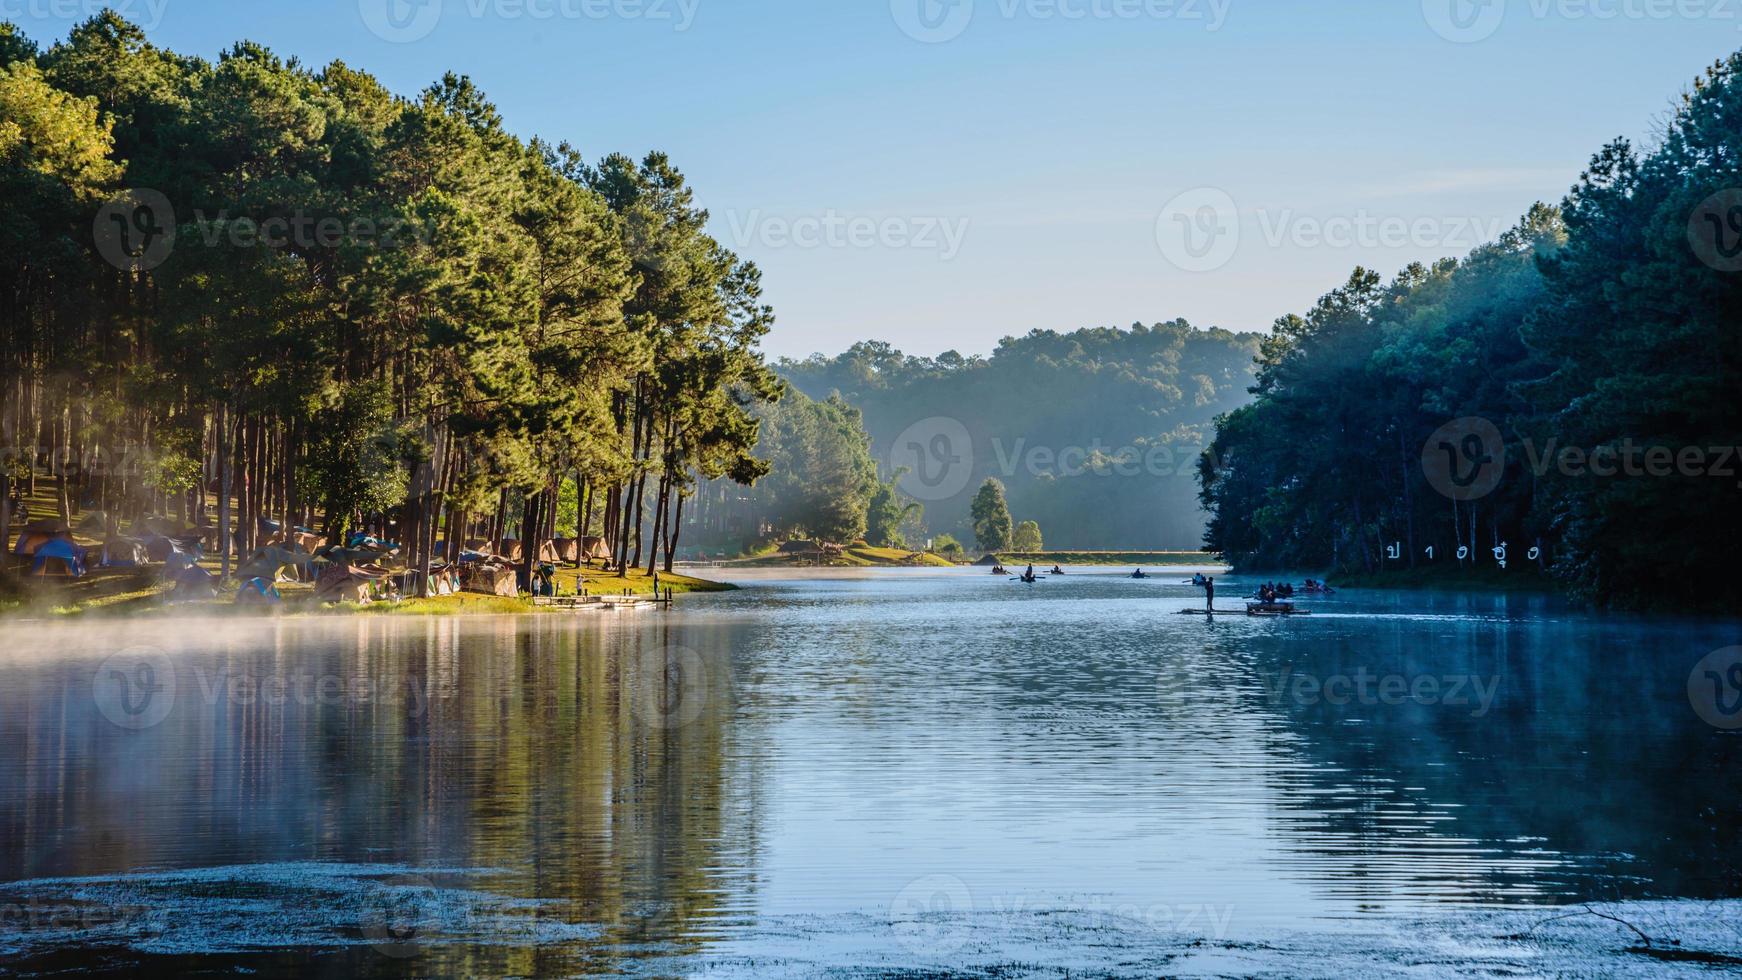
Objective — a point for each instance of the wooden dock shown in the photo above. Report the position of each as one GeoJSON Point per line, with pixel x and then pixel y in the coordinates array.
{"type": "Point", "coordinates": [604, 603]}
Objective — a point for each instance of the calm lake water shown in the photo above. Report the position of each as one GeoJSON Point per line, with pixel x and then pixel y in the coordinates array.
{"type": "Point", "coordinates": [897, 749]}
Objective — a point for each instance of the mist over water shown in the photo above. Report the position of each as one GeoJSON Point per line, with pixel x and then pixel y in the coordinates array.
{"type": "Point", "coordinates": [391, 794]}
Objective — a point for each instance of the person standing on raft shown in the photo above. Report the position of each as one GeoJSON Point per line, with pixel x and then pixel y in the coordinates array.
{"type": "Point", "coordinates": [1210, 594]}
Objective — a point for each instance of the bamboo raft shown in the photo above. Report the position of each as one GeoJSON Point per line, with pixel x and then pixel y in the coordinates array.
{"type": "Point", "coordinates": [1252, 609]}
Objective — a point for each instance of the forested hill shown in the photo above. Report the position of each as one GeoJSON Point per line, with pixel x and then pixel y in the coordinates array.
{"type": "Point", "coordinates": [1095, 433]}
{"type": "Point", "coordinates": [1563, 399]}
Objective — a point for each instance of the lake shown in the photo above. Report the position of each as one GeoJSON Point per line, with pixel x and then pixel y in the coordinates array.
{"type": "Point", "coordinates": [896, 769]}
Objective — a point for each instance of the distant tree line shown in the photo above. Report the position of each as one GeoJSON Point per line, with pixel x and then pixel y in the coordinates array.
{"type": "Point", "coordinates": [250, 281]}
{"type": "Point", "coordinates": [1093, 434]}
{"type": "Point", "coordinates": [1599, 340]}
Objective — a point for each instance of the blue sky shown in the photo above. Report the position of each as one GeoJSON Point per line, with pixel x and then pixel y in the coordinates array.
{"type": "Point", "coordinates": [941, 176]}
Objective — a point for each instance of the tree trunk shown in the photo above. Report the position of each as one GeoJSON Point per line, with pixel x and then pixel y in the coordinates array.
{"type": "Point", "coordinates": [224, 467]}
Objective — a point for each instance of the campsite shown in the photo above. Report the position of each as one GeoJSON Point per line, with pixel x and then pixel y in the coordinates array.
{"type": "Point", "coordinates": [155, 567]}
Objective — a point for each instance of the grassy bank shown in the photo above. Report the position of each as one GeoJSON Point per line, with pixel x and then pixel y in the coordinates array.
{"type": "Point", "coordinates": [106, 592]}
{"type": "Point", "coordinates": [1133, 559]}
{"type": "Point", "coordinates": [856, 556]}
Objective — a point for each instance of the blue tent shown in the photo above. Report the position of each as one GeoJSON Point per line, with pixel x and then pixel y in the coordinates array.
{"type": "Point", "coordinates": [58, 558]}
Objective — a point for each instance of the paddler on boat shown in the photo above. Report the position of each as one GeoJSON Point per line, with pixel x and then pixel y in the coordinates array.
{"type": "Point", "coordinates": [1138, 574]}
{"type": "Point", "coordinates": [1029, 576]}
{"type": "Point", "coordinates": [1057, 570]}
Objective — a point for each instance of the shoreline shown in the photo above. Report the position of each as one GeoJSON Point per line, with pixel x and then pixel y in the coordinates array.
{"type": "Point", "coordinates": [143, 594]}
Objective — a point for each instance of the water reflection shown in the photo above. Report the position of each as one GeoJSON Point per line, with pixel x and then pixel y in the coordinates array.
{"type": "Point", "coordinates": [568, 794]}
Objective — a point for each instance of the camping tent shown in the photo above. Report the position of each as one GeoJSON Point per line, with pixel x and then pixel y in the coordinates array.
{"type": "Point", "coordinates": [443, 580]}
{"type": "Point", "coordinates": [491, 578]}
{"type": "Point", "coordinates": [510, 549]}
{"type": "Point", "coordinates": [347, 583]}
{"type": "Point", "coordinates": [547, 553]}
{"type": "Point", "coordinates": [124, 553]}
{"type": "Point", "coordinates": [39, 533]}
{"type": "Point", "coordinates": [193, 583]}
{"type": "Point", "coordinates": [258, 592]}
{"type": "Point", "coordinates": [270, 563]}
{"type": "Point", "coordinates": [595, 549]}
{"type": "Point", "coordinates": [58, 558]}
{"type": "Point", "coordinates": [567, 549]}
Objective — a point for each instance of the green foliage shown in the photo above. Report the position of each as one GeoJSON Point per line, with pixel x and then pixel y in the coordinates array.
{"type": "Point", "coordinates": [821, 478]}
{"type": "Point", "coordinates": [947, 546]}
{"type": "Point", "coordinates": [890, 513]}
{"type": "Point", "coordinates": [991, 517]}
{"type": "Point", "coordinates": [1026, 538]}
{"type": "Point", "coordinates": [1598, 325]}
{"type": "Point", "coordinates": [403, 313]}
{"type": "Point", "coordinates": [355, 464]}
{"type": "Point", "coordinates": [1093, 432]}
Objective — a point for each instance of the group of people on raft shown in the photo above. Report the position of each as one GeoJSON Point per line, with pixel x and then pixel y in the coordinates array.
{"type": "Point", "coordinates": [1270, 592]}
